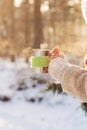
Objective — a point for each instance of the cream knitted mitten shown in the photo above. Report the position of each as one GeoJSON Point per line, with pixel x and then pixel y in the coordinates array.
{"type": "Point", "coordinates": [57, 68]}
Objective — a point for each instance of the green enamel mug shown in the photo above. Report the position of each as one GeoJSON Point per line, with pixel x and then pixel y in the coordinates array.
{"type": "Point", "coordinates": [40, 60]}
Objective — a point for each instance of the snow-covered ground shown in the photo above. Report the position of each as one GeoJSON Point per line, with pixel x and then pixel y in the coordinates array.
{"type": "Point", "coordinates": [30, 109]}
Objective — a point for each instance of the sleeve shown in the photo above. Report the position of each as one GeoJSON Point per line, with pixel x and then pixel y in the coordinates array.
{"type": "Point", "coordinates": [74, 82]}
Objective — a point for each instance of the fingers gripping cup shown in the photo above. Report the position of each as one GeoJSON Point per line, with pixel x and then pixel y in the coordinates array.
{"type": "Point", "coordinates": [40, 60]}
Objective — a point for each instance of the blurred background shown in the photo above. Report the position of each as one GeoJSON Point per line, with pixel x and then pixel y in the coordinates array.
{"type": "Point", "coordinates": [31, 101]}
{"type": "Point", "coordinates": [28, 23]}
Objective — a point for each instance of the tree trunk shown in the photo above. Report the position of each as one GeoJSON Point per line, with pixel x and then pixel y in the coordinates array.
{"type": "Point", "coordinates": [26, 9]}
{"type": "Point", "coordinates": [10, 21]}
{"type": "Point", "coordinates": [37, 24]}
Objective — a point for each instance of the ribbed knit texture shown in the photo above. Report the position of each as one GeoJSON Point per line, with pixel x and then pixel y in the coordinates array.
{"type": "Point", "coordinates": [72, 78]}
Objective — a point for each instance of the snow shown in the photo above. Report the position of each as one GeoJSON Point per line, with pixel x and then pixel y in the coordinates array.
{"type": "Point", "coordinates": [54, 112]}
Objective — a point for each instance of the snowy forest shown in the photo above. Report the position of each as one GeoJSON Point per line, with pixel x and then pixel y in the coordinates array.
{"type": "Point", "coordinates": [30, 100]}
{"type": "Point", "coordinates": [25, 23]}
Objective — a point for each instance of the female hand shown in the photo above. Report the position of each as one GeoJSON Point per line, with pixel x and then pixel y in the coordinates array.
{"type": "Point", "coordinates": [56, 53]}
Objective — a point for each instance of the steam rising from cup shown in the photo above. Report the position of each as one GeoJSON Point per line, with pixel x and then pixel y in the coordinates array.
{"type": "Point", "coordinates": [84, 9]}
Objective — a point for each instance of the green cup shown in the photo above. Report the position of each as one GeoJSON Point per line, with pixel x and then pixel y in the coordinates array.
{"type": "Point", "coordinates": [40, 60]}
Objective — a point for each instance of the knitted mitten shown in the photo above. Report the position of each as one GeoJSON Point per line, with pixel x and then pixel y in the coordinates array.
{"type": "Point", "coordinates": [57, 68]}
